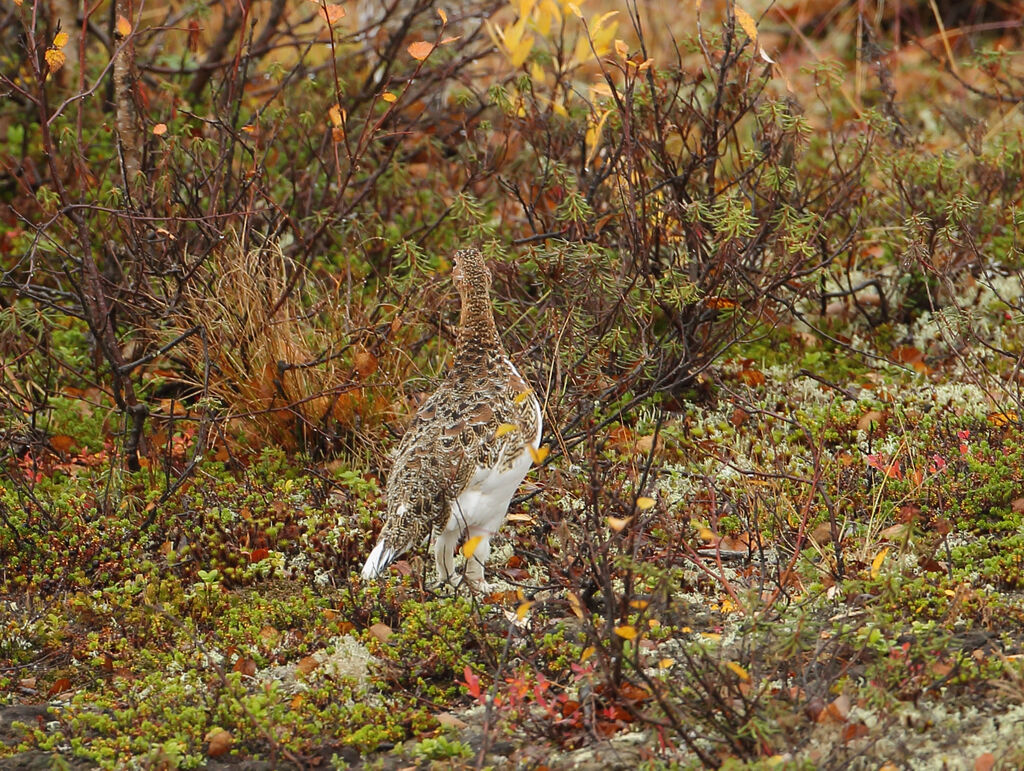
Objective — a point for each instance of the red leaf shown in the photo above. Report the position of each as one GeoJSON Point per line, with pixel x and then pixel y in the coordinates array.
{"type": "Point", "coordinates": [60, 685]}
{"type": "Point", "coordinates": [472, 683]}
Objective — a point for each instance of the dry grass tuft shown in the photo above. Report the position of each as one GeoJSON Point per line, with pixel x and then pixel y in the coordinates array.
{"type": "Point", "coordinates": [276, 362]}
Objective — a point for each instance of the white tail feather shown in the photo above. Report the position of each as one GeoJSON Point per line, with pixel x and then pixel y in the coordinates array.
{"type": "Point", "coordinates": [378, 561]}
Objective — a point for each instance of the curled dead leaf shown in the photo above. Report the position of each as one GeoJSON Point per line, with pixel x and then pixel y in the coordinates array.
{"type": "Point", "coordinates": [218, 742]}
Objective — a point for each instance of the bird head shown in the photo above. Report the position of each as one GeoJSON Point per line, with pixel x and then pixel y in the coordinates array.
{"type": "Point", "coordinates": [470, 272]}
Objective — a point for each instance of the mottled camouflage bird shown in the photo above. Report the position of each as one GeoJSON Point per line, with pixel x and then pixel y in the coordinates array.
{"type": "Point", "coordinates": [468, 447]}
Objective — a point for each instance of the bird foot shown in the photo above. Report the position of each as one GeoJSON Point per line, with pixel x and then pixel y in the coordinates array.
{"type": "Point", "coordinates": [479, 587]}
{"type": "Point", "coordinates": [452, 584]}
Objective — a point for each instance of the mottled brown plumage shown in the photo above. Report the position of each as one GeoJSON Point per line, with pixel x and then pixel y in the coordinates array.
{"type": "Point", "coordinates": [467, 448]}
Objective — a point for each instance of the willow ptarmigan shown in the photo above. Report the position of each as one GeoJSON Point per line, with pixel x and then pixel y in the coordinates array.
{"type": "Point", "coordinates": [468, 447]}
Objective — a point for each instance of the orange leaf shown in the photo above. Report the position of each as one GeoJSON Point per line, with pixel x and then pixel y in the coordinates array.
{"type": "Point", "coordinates": [617, 524]}
{"type": "Point", "coordinates": [986, 761]}
{"type": "Point", "coordinates": [719, 303]}
{"type": "Point", "coordinates": [420, 50]}
{"type": "Point", "coordinates": [747, 22]}
{"type": "Point", "coordinates": [159, 129]}
{"type": "Point", "coordinates": [443, 15]}
{"type": "Point", "coordinates": [387, 96]}
{"type": "Point", "coordinates": [1000, 419]}
{"type": "Point", "coordinates": [124, 27]}
{"type": "Point", "coordinates": [61, 442]}
{"type": "Point", "coordinates": [365, 363]}
{"type": "Point", "coordinates": [538, 454]}
{"type": "Point", "coordinates": [751, 377]}
{"type": "Point", "coordinates": [626, 632]}
{"type": "Point", "coordinates": [54, 59]}
{"type": "Point", "coordinates": [522, 610]}
{"type": "Point", "coordinates": [60, 685]}
{"type": "Point", "coordinates": [60, 40]}
{"type": "Point", "coordinates": [332, 14]}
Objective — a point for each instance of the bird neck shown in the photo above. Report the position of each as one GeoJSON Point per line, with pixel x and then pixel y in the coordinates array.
{"type": "Point", "coordinates": [478, 336]}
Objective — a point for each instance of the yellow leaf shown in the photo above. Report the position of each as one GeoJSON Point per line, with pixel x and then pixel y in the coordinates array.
{"type": "Point", "coordinates": [728, 606]}
{"type": "Point", "coordinates": [666, 662]}
{"type": "Point", "coordinates": [450, 39]}
{"type": "Point", "coordinates": [538, 454]}
{"type": "Point", "coordinates": [420, 50]}
{"type": "Point", "coordinates": [876, 563]}
{"type": "Point", "coordinates": [576, 604]}
{"type": "Point", "coordinates": [160, 129]}
{"type": "Point", "coordinates": [334, 113]}
{"type": "Point", "coordinates": [644, 503]}
{"type": "Point", "coordinates": [602, 34]}
{"type": "Point", "coordinates": [469, 547]}
{"type": "Point", "coordinates": [576, 10]}
{"type": "Point", "coordinates": [124, 27]}
{"type": "Point", "coordinates": [522, 396]}
{"type": "Point", "coordinates": [387, 96]}
{"type": "Point", "coordinates": [1000, 419]}
{"type": "Point", "coordinates": [504, 428]}
{"type": "Point", "coordinates": [522, 50]}
{"type": "Point", "coordinates": [332, 14]}
{"type": "Point", "coordinates": [587, 653]}
{"type": "Point", "coordinates": [638, 604]}
{"type": "Point", "coordinates": [739, 671]}
{"type": "Point", "coordinates": [54, 59]}
{"type": "Point", "coordinates": [593, 137]}
{"type": "Point", "coordinates": [60, 40]}
{"type": "Point", "coordinates": [621, 49]}
{"type": "Point", "coordinates": [617, 524]}
{"type": "Point", "coordinates": [626, 632]}
{"type": "Point", "coordinates": [523, 609]}
{"type": "Point", "coordinates": [747, 22]}
{"type": "Point", "coordinates": [443, 15]}
{"type": "Point", "coordinates": [705, 535]}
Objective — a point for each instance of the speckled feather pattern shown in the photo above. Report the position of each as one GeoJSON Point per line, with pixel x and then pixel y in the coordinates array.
{"type": "Point", "coordinates": [470, 435]}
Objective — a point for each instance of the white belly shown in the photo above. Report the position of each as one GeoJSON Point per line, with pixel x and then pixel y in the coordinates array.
{"type": "Point", "coordinates": [485, 500]}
